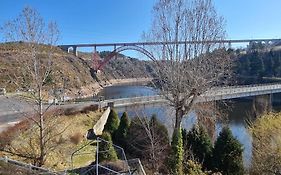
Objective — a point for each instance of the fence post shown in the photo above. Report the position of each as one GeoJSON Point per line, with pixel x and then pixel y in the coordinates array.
{"type": "Point", "coordinates": [6, 159]}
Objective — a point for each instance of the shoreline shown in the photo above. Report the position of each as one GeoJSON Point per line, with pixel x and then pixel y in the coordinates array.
{"type": "Point", "coordinates": [94, 88]}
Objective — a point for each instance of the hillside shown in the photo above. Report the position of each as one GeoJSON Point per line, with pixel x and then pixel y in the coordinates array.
{"type": "Point", "coordinates": [256, 67]}
{"type": "Point", "coordinates": [71, 72]}
{"type": "Point", "coordinates": [122, 66]}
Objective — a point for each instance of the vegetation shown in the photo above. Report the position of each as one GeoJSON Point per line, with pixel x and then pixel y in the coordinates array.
{"type": "Point", "coordinates": [176, 156]}
{"type": "Point", "coordinates": [107, 151]}
{"type": "Point", "coordinates": [227, 154]}
{"type": "Point", "coordinates": [266, 133]}
{"type": "Point", "coordinates": [194, 168]}
{"type": "Point", "coordinates": [122, 131]}
{"type": "Point", "coordinates": [184, 74]}
{"type": "Point", "coordinates": [198, 146]}
{"type": "Point", "coordinates": [253, 66]}
{"type": "Point", "coordinates": [18, 138]}
{"type": "Point", "coordinates": [149, 141]}
{"type": "Point", "coordinates": [112, 122]}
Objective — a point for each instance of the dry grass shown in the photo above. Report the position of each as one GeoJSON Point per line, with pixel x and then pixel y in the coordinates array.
{"type": "Point", "coordinates": [64, 65]}
{"type": "Point", "coordinates": [75, 126]}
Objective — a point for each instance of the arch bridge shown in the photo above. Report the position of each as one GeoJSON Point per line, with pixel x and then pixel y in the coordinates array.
{"type": "Point", "coordinates": [98, 63]}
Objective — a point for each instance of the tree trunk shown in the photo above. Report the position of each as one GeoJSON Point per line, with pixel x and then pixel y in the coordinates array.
{"type": "Point", "coordinates": [179, 116]}
{"type": "Point", "coordinates": [41, 128]}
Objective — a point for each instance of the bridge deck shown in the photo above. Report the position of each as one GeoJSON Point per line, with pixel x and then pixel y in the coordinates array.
{"type": "Point", "coordinates": [219, 93]}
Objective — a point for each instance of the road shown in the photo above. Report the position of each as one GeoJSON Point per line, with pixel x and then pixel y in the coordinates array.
{"type": "Point", "coordinates": [13, 110]}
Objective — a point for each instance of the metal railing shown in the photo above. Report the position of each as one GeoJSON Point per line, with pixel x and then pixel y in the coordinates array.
{"type": "Point", "coordinates": [29, 167]}
{"type": "Point", "coordinates": [216, 93]}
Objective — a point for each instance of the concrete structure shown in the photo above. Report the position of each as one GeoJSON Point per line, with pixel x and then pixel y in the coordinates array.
{"type": "Point", "coordinates": [219, 93]}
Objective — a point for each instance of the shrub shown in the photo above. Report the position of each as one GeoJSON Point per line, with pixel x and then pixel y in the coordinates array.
{"type": "Point", "coordinates": [194, 168]}
{"type": "Point", "coordinates": [176, 156]}
{"type": "Point", "coordinates": [107, 151]}
{"type": "Point", "coordinates": [266, 133]}
{"type": "Point", "coordinates": [76, 138]}
{"type": "Point", "coordinates": [198, 144]}
{"type": "Point", "coordinates": [112, 123]}
{"type": "Point", "coordinates": [122, 131]}
{"type": "Point", "coordinates": [227, 154]}
{"type": "Point", "coordinates": [90, 108]}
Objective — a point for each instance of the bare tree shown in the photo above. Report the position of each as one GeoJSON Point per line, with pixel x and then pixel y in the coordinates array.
{"type": "Point", "coordinates": [149, 140]}
{"type": "Point", "coordinates": [185, 71]}
{"type": "Point", "coordinates": [34, 43]}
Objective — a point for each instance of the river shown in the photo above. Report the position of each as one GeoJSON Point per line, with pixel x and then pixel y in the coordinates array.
{"type": "Point", "coordinates": [238, 111]}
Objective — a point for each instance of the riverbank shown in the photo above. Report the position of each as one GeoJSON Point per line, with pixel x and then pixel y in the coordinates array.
{"type": "Point", "coordinates": [94, 88]}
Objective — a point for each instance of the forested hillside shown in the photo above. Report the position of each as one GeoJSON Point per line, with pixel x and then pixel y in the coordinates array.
{"type": "Point", "coordinates": [258, 67]}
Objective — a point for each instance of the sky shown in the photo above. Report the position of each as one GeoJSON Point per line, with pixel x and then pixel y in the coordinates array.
{"type": "Point", "coordinates": [104, 21]}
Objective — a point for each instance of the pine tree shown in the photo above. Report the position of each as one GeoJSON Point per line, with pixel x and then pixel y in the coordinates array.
{"type": "Point", "coordinates": [112, 122]}
{"type": "Point", "coordinates": [159, 129]}
{"type": "Point", "coordinates": [176, 157]}
{"type": "Point", "coordinates": [199, 145]}
{"type": "Point", "coordinates": [122, 131]}
{"type": "Point", "coordinates": [227, 154]}
{"type": "Point", "coordinates": [106, 149]}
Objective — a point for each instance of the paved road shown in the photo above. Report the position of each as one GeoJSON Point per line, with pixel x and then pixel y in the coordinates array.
{"type": "Point", "coordinates": [13, 110]}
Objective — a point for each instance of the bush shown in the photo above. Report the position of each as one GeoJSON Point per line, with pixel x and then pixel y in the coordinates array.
{"type": "Point", "coordinates": [90, 108]}
{"type": "Point", "coordinates": [197, 144]}
{"type": "Point", "coordinates": [76, 138]}
{"type": "Point", "coordinates": [112, 123]}
{"type": "Point", "coordinates": [107, 151]}
{"type": "Point", "coordinates": [176, 156]}
{"type": "Point", "coordinates": [266, 133]}
{"type": "Point", "coordinates": [122, 131]}
{"type": "Point", "coordinates": [194, 168]}
{"type": "Point", "coordinates": [227, 154]}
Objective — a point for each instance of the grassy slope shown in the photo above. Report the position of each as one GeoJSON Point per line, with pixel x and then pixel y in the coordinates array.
{"type": "Point", "coordinates": [69, 141]}
{"type": "Point", "coordinates": [12, 58]}
{"type": "Point", "coordinates": [75, 69]}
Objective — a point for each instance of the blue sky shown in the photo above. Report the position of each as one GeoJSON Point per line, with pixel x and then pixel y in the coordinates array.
{"type": "Point", "coordinates": [101, 21]}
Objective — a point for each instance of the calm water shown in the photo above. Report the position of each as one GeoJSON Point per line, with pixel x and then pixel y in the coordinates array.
{"type": "Point", "coordinates": [237, 114]}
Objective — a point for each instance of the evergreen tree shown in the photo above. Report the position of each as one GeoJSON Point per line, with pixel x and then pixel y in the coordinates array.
{"type": "Point", "coordinates": [112, 122]}
{"type": "Point", "coordinates": [106, 149]}
{"type": "Point", "coordinates": [176, 157]}
{"type": "Point", "coordinates": [199, 145]}
{"type": "Point", "coordinates": [227, 154]}
{"type": "Point", "coordinates": [122, 131]}
{"type": "Point", "coordinates": [159, 129]}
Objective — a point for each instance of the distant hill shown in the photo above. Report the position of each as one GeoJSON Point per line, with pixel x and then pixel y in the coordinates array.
{"type": "Point", "coordinates": [72, 71]}
{"type": "Point", "coordinates": [258, 67]}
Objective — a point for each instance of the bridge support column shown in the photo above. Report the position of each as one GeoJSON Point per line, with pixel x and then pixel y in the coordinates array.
{"type": "Point", "coordinates": [262, 104]}
{"type": "Point", "coordinates": [74, 51]}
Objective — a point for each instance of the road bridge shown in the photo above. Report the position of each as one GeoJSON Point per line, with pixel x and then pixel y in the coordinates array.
{"type": "Point", "coordinates": [98, 63]}
{"type": "Point", "coordinates": [214, 94]}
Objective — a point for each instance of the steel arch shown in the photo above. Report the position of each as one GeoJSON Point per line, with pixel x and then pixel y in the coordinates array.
{"type": "Point", "coordinates": [123, 48]}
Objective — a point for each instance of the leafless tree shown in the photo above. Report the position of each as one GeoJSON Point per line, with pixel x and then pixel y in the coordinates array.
{"type": "Point", "coordinates": [185, 71]}
{"type": "Point", "coordinates": [149, 140]}
{"type": "Point", "coordinates": [34, 43]}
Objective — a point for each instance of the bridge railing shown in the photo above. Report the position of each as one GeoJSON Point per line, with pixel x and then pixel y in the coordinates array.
{"type": "Point", "coordinates": [215, 94]}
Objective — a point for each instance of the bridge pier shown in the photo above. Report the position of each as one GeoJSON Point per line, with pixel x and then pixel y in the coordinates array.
{"type": "Point", "coordinates": [69, 49]}
{"type": "Point", "coordinates": [74, 51]}
{"type": "Point", "coordinates": [262, 104]}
